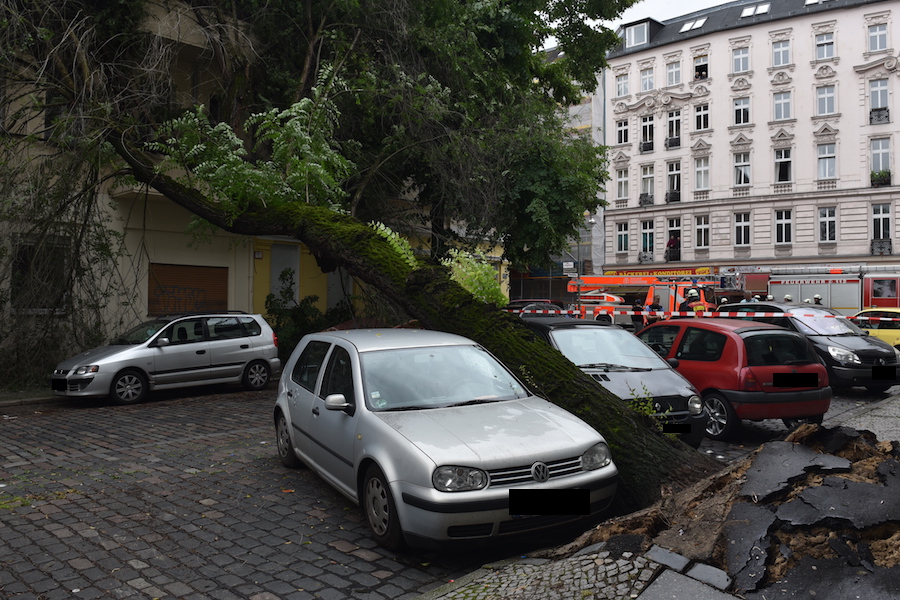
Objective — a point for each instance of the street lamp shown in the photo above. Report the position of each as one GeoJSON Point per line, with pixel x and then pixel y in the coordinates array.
{"type": "Point", "coordinates": [589, 220]}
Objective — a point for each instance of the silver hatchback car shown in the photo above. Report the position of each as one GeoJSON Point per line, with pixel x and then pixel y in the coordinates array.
{"type": "Point", "coordinates": [173, 352]}
{"type": "Point", "coordinates": [435, 438]}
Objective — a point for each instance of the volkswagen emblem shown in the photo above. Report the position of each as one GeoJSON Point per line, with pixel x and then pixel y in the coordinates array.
{"type": "Point", "coordinates": [879, 361]}
{"type": "Point", "coordinates": [540, 472]}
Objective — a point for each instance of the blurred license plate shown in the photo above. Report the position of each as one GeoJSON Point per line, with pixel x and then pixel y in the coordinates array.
{"type": "Point", "coordinates": [524, 503]}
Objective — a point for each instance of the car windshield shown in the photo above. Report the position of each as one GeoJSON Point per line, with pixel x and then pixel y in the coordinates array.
{"type": "Point", "coordinates": [139, 334]}
{"type": "Point", "coordinates": [825, 324]}
{"type": "Point", "coordinates": [435, 377]}
{"type": "Point", "coordinates": [606, 347]}
{"type": "Point", "coordinates": [777, 348]}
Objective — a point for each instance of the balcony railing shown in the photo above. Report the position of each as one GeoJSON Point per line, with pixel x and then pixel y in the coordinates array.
{"type": "Point", "coordinates": [782, 188]}
{"type": "Point", "coordinates": [645, 257]}
{"type": "Point", "coordinates": [673, 196]}
{"type": "Point", "coordinates": [645, 199]}
{"type": "Point", "coordinates": [880, 178]}
{"type": "Point", "coordinates": [879, 116]}
{"type": "Point", "coordinates": [672, 142]}
{"type": "Point", "coordinates": [882, 247]}
{"type": "Point", "coordinates": [646, 147]}
{"type": "Point", "coordinates": [826, 184]}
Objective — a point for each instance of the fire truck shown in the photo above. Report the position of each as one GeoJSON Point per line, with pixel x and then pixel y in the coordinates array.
{"type": "Point", "coordinates": [847, 289]}
{"type": "Point", "coordinates": [672, 291]}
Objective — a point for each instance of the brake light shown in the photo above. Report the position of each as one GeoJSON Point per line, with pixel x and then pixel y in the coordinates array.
{"type": "Point", "coordinates": [749, 382]}
{"type": "Point", "coordinates": [275, 339]}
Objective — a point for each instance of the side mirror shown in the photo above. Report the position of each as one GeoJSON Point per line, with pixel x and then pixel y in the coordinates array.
{"type": "Point", "coordinates": [673, 362]}
{"type": "Point", "coordinates": [162, 342]}
{"type": "Point", "coordinates": [339, 402]}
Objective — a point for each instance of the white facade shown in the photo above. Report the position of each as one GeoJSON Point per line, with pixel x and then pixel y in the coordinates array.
{"type": "Point", "coordinates": [754, 130]}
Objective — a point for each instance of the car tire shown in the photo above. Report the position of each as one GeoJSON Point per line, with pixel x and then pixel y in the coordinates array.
{"type": "Point", "coordinates": [256, 376]}
{"type": "Point", "coordinates": [796, 422]}
{"type": "Point", "coordinates": [380, 510]}
{"type": "Point", "coordinates": [284, 443]}
{"type": "Point", "coordinates": [128, 387]}
{"type": "Point", "coordinates": [723, 421]}
{"type": "Point", "coordinates": [879, 388]}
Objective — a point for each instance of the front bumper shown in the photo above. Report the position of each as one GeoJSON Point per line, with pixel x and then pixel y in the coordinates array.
{"type": "Point", "coordinates": [78, 386]}
{"type": "Point", "coordinates": [430, 517]}
{"type": "Point", "coordinates": [863, 375]}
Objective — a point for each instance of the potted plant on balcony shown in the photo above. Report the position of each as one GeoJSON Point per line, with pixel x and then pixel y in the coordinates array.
{"type": "Point", "coordinates": [881, 178]}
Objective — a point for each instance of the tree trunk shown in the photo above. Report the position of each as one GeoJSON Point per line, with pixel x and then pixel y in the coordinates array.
{"type": "Point", "coordinates": [646, 459]}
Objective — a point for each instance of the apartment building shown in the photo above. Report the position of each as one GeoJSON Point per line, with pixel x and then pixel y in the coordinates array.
{"type": "Point", "coordinates": [755, 134]}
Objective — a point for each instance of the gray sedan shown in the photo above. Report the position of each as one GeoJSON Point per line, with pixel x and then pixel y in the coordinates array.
{"type": "Point", "coordinates": [435, 438]}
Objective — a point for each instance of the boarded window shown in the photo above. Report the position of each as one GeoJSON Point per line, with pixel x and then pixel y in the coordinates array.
{"type": "Point", "coordinates": [176, 289]}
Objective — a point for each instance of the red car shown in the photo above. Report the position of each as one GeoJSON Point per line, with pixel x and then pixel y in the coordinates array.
{"type": "Point", "coordinates": [744, 370]}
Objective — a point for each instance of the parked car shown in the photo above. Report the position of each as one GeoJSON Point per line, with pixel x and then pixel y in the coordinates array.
{"type": "Point", "coordinates": [628, 368]}
{"type": "Point", "coordinates": [540, 309]}
{"type": "Point", "coordinates": [435, 438]}
{"type": "Point", "coordinates": [851, 356]}
{"type": "Point", "coordinates": [745, 370]}
{"type": "Point", "coordinates": [888, 331]}
{"type": "Point", "coordinates": [174, 352]}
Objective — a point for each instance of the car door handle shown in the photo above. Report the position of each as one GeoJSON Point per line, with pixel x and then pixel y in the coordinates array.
{"type": "Point", "coordinates": [201, 351]}
{"type": "Point", "coordinates": [244, 346]}
{"type": "Point", "coordinates": [316, 410]}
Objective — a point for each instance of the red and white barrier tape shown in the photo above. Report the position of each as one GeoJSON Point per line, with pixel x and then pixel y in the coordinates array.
{"type": "Point", "coordinates": [666, 313]}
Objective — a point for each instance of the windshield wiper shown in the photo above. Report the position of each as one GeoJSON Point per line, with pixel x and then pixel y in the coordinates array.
{"type": "Point", "coordinates": [475, 401]}
{"type": "Point", "coordinates": [611, 367]}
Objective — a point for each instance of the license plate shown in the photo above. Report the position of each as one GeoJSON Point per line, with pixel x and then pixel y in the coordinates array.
{"type": "Point", "coordinates": [524, 503]}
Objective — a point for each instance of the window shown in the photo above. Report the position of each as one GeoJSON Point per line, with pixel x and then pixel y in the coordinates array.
{"type": "Point", "coordinates": [825, 100]}
{"type": "Point", "coordinates": [692, 25]}
{"type": "Point", "coordinates": [673, 73]}
{"type": "Point", "coordinates": [636, 35]}
{"type": "Point", "coordinates": [701, 116]}
{"type": "Point", "coordinates": [827, 161]}
{"type": "Point", "coordinates": [740, 60]}
{"type": "Point", "coordinates": [701, 67]}
{"type": "Point", "coordinates": [646, 79]}
{"type": "Point", "coordinates": [742, 111]}
{"type": "Point", "coordinates": [782, 106]}
{"type": "Point", "coordinates": [622, 132]}
{"type": "Point", "coordinates": [622, 85]}
{"type": "Point", "coordinates": [702, 231]}
{"type": "Point", "coordinates": [783, 165]}
{"type": "Point", "coordinates": [828, 224]}
{"type": "Point", "coordinates": [621, 237]}
{"type": "Point", "coordinates": [622, 184]}
{"type": "Point", "coordinates": [742, 168]}
{"type": "Point", "coordinates": [878, 93]}
{"type": "Point", "coordinates": [751, 11]}
{"type": "Point", "coordinates": [881, 154]}
{"type": "Point", "coordinates": [647, 237]}
{"type": "Point", "coordinates": [673, 177]}
{"type": "Point", "coordinates": [881, 221]}
{"type": "Point", "coordinates": [647, 130]}
{"type": "Point", "coordinates": [877, 37]}
{"type": "Point", "coordinates": [647, 180]}
{"type": "Point", "coordinates": [338, 378]}
{"type": "Point", "coordinates": [824, 46]}
{"type": "Point", "coordinates": [783, 227]}
{"type": "Point", "coordinates": [742, 229]}
{"type": "Point", "coordinates": [306, 370]}
{"type": "Point", "coordinates": [781, 53]}
{"type": "Point", "coordinates": [701, 173]}
{"type": "Point", "coordinates": [673, 125]}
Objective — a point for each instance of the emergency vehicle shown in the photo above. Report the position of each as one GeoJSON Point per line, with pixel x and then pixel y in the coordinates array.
{"type": "Point", "coordinates": [672, 291]}
{"type": "Point", "coordinates": [847, 289]}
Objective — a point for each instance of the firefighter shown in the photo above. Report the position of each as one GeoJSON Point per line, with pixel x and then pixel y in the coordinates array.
{"type": "Point", "coordinates": [788, 298]}
{"type": "Point", "coordinates": [817, 299]}
{"type": "Point", "coordinates": [692, 302]}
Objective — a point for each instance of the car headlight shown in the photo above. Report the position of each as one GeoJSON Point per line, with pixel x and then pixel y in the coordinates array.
{"type": "Point", "coordinates": [896, 354]}
{"type": "Point", "coordinates": [596, 457]}
{"type": "Point", "coordinates": [842, 355]}
{"type": "Point", "coordinates": [695, 405]}
{"type": "Point", "coordinates": [87, 369]}
{"type": "Point", "coordinates": [458, 479]}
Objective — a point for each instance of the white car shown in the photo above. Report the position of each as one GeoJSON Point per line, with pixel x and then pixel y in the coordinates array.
{"type": "Point", "coordinates": [173, 352]}
{"type": "Point", "coordinates": [435, 438]}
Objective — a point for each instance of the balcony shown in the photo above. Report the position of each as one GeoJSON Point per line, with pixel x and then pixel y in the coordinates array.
{"type": "Point", "coordinates": [645, 200]}
{"type": "Point", "coordinates": [673, 196]}
{"type": "Point", "coordinates": [879, 116]}
{"type": "Point", "coordinates": [646, 147]}
{"type": "Point", "coordinates": [645, 257]}
{"type": "Point", "coordinates": [783, 188]}
{"type": "Point", "coordinates": [672, 142]}
{"type": "Point", "coordinates": [880, 178]}
{"type": "Point", "coordinates": [882, 247]}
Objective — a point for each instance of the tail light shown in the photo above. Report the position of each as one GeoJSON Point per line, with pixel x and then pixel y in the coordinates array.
{"type": "Point", "coordinates": [749, 382]}
{"type": "Point", "coordinates": [275, 339]}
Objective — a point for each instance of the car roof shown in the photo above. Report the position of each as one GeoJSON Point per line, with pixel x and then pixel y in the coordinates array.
{"type": "Point", "coordinates": [722, 324]}
{"type": "Point", "coordinates": [768, 306]}
{"type": "Point", "coordinates": [891, 309]}
{"type": "Point", "coordinates": [551, 323]}
{"type": "Point", "coordinates": [367, 340]}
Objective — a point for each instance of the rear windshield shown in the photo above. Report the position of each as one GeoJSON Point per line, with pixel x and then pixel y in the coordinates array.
{"type": "Point", "coordinates": [777, 348]}
{"type": "Point", "coordinates": [592, 345]}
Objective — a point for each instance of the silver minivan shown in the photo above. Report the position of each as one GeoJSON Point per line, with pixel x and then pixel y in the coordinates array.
{"type": "Point", "coordinates": [173, 352]}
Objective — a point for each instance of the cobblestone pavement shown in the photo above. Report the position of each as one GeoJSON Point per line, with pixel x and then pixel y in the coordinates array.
{"type": "Point", "coordinates": [183, 498]}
